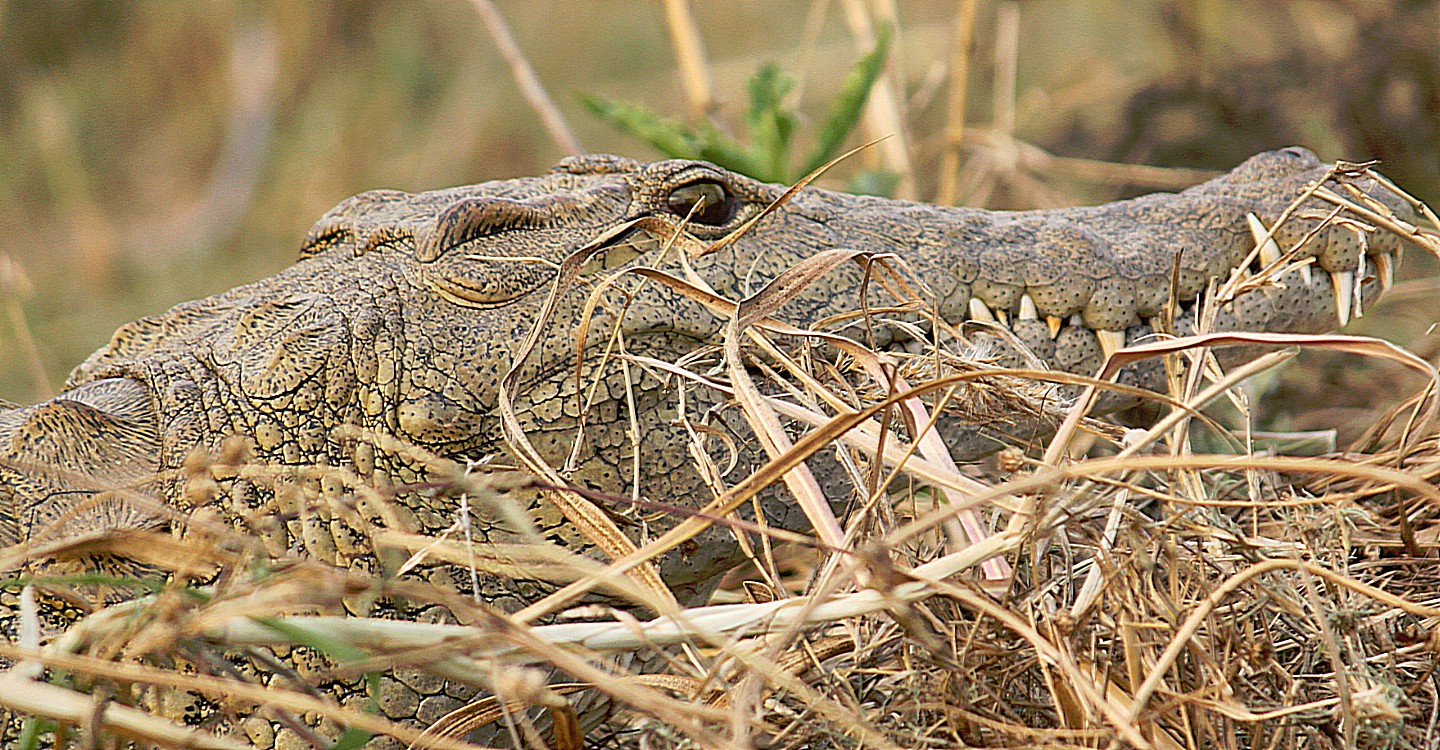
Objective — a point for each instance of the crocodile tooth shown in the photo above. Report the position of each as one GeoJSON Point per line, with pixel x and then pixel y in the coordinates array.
{"type": "Point", "coordinates": [1344, 282]}
{"type": "Point", "coordinates": [1028, 310]}
{"type": "Point", "coordinates": [980, 311]}
{"type": "Point", "coordinates": [1054, 322]}
{"type": "Point", "coordinates": [1110, 341]}
{"type": "Point", "coordinates": [1385, 269]}
{"type": "Point", "coordinates": [1003, 316]}
{"type": "Point", "coordinates": [1306, 274]}
{"type": "Point", "coordinates": [1269, 251]}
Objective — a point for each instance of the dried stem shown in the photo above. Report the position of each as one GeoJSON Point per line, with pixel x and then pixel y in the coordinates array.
{"type": "Point", "coordinates": [955, 113]}
{"type": "Point", "coordinates": [525, 78]}
{"type": "Point", "coordinates": [690, 57]}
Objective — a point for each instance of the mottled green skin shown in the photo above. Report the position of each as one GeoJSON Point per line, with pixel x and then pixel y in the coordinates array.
{"type": "Point", "coordinates": [403, 314]}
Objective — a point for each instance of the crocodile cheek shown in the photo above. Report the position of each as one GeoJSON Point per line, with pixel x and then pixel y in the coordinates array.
{"type": "Point", "coordinates": [1297, 307]}
{"type": "Point", "coordinates": [1001, 280]}
{"type": "Point", "coordinates": [507, 281]}
{"type": "Point", "coordinates": [1223, 250]}
{"type": "Point", "coordinates": [1294, 231]}
{"type": "Point", "coordinates": [671, 316]}
{"type": "Point", "coordinates": [484, 252]}
{"type": "Point", "coordinates": [1382, 242]}
{"type": "Point", "coordinates": [1231, 245]}
{"type": "Point", "coordinates": [1191, 284]}
{"type": "Point", "coordinates": [614, 256]}
{"type": "Point", "coordinates": [1248, 312]}
{"type": "Point", "coordinates": [1061, 268]}
{"type": "Point", "coordinates": [277, 349]}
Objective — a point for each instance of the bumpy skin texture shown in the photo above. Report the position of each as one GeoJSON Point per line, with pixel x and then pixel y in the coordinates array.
{"type": "Point", "coordinates": [405, 310]}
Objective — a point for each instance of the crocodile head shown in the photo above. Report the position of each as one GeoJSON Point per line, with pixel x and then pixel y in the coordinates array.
{"type": "Point", "coordinates": [406, 310]}
{"type": "Point", "coordinates": [1073, 284]}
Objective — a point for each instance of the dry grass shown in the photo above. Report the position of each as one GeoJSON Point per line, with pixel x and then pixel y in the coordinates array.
{"type": "Point", "coordinates": [1135, 593]}
{"type": "Point", "coordinates": [1138, 592]}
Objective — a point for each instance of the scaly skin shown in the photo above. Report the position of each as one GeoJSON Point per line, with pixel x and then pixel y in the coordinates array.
{"type": "Point", "coordinates": [404, 312]}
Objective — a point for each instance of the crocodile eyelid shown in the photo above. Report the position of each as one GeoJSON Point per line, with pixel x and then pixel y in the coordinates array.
{"type": "Point", "coordinates": [325, 236]}
{"type": "Point", "coordinates": [471, 219]}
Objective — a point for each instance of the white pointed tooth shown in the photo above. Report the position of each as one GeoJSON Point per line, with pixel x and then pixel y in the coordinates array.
{"type": "Point", "coordinates": [1054, 322]}
{"type": "Point", "coordinates": [1307, 273]}
{"type": "Point", "coordinates": [1110, 341]}
{"type": "Point", "coordinates": [1002, 316]}
{"type": "Point", "coordinates": [1344, 294]}
{"type": "Point", "coordinates": [1269, 251]}
{"type": "Point", "coordinates": [1385, 269]}
{"type": "Point", "coordinates": [1028, 310]}
{"type": "Point", "coordinates": [980, 311]}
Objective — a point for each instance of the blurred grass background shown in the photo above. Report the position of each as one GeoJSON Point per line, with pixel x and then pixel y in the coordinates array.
{"type": "Point", "coordinates": [159, 151]}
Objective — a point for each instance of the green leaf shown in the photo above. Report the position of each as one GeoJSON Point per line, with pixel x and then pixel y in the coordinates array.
{"type": "Point", "coordinates": [845, 110]}
{"type": "Point", "coordinates": [726, 152]}
{"type": "Point", "coordinates": [771, 124]}
{"type": "Point", "coordinates": [671, 137]}
{"type": "Point", "coordinates": [32, 729]}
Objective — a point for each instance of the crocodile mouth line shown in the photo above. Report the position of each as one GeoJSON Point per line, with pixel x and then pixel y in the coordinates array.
{"type": "Point", "coordinates": [1266, 265]}
{"type": "Point", "coordinates": [1345, 289]}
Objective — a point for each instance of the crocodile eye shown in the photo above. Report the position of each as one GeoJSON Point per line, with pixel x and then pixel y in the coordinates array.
{"type": "Point", "coordinates": [706, 203]}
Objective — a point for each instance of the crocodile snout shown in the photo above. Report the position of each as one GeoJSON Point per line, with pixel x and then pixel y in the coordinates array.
{"type": "Point", "coordinates": [1285, 246]}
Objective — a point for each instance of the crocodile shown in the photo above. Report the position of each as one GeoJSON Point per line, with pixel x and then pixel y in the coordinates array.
{"type": "Point", "coordinates": [405, 312]}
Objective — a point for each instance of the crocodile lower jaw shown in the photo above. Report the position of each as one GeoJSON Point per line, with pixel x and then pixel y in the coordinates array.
{"type": "Point", "coordinates": [1271, 272]}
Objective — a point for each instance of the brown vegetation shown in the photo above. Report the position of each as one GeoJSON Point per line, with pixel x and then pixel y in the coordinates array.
{"type": "Point", "coordinates": [1178, 587]}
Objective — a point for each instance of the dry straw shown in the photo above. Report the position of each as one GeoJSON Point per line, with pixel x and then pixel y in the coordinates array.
{"type": "Point", "coordinates": [1139, 593]}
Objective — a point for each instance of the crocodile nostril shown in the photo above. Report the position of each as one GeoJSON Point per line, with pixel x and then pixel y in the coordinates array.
{"type": "Point", "coordinates": [1299, 152]}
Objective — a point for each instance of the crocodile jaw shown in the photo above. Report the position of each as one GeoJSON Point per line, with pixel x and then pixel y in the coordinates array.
{"type": "Point", "coordinates": [455, 279]}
